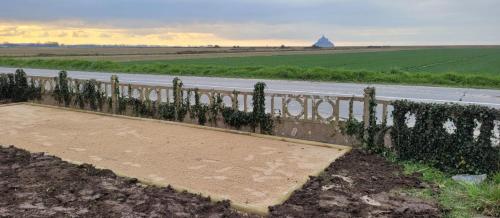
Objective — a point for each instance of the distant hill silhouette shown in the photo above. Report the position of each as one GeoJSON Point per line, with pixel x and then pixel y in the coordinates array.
{"type": "Point", "coordinates": [323, 42]}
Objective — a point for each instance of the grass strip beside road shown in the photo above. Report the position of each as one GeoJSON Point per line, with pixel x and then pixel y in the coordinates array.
{"type": "Point", "coordinates": [458, 199]}
{"type": "Point", "coordinates": [453, 79]}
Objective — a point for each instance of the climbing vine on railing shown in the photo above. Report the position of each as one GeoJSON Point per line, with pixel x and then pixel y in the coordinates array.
{"type": "Point", "coordinates": [235, 104]}
{"type": "Point", "coordinates": [181, 108]}
{"type": "Point", "coordinates": [166, 111]}
{"type": "Point", "coordinates": [215, 108]}
{"type": "Point", "coordinates": [138, 107]}
{"type": "Point", "coordinates": [260, 118]}
{"type": "Point", "coordinates": [199, 110]}
{"type": "Point", "coordinates": [123, 102]}
{"type": "Point", "coordinates": [236, 118]}
{"type": "Point", "coordinates": [6, 87]}
{"type": "Point", "coordinates": [78, 99]}
{"type": "Point", "coordinates": [452, 148]}
{"type": "Point", "coordinates": [110, 104]}
{"type": "Point", "coordinates": [92, 94]}
{"type": "Point", "coordinates": [122, 105]}
{"type": "Point", "coordinates": [62, 92]}
{"type": "Point", "coordinates": [186, 105]}
{"type": "Point", "coordinates": [86, 93]}
{"type": "Point", "coordinates": [372, 134]}
{"type": "Point", "coordinates": [352, 126]}
{"type": "Point", "coordinates": [15, 87]}
{"type": "Point", "coordinates": [257, 118]}
{"type": "Point", "coordinates": [371, 130]}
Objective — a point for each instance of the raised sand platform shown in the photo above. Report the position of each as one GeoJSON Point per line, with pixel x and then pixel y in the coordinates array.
{"type": "Point", "coordinates": [251, 170]}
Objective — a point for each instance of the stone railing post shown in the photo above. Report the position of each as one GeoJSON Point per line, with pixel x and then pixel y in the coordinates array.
{"type": "Point", "coordinates": [114, 93]}
{"type": "Point", "coordinates": [235, 103]}
{"type": "Point", "coordinates": [368, 98]}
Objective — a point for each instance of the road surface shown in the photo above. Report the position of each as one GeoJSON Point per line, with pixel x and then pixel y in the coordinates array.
{"type": "Point", "coordinates": [389, 92]}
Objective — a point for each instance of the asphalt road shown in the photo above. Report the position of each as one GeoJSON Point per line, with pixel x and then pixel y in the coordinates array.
{"type": "Point", "coordinates": [389, 92]}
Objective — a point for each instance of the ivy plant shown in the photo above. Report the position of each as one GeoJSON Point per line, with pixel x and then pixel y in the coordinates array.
{"type": "Point", "coordinates": [431, 141]}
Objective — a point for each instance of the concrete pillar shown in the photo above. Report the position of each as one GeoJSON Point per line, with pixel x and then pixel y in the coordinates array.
{"type": "Point", "coordinates": [114, 93]}
{"type": "Point", "coordinates": [369, 96]}
{"type": "Point", "coordinates": [235, 101]}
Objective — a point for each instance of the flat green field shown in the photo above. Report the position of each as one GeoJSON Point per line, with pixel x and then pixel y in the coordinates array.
{"type": "Point", "coordinates": [460, 67]}
{"type": "Point", "coordinates": [441, 60]}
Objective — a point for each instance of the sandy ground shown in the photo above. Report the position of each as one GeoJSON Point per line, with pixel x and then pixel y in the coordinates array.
{"type": "Point", "coordinates": [250, 171]}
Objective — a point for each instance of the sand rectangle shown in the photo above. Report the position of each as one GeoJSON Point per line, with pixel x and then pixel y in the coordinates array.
{"type": "Point", "coordinates": [252, 172]}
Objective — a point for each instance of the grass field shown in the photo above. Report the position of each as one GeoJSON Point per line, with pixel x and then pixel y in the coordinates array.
{"type": "Point", "coordinates": [460, 67]}
{"type": "Point", "coordinates": [462, 60]}
{"type": "Point", "coordinates": [124, 54]}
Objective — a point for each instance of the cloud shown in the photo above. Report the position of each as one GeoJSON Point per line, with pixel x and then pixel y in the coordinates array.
{"type": "Point", "coordinates": [339, 12]}
{"type": "Point", "coordinates": [105, 35]}
{"type": "Point", "coordinates": [288, 21]}
{"type": "Point", "coordinates": [10, 31]}
{"type": "Point", "coordinates": [80, 34]}
{"type": "Point", "coordinates": [44, 34]}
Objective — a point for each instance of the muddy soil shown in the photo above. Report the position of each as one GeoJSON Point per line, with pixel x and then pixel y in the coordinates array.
{"type": "Point", "coordinates": [358, 185]}
{"type": "Point", "coordinates": [36, 185]}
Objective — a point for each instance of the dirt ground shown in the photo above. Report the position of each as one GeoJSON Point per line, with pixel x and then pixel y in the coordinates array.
{"type": "Point", "coordinates": [35, 185]}
{"type": "Point", "coordinates": [356, 185]}
{"type": "Point", "coordinates": [252, 172]}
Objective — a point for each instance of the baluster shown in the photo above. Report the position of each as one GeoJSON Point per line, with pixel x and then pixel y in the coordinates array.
{"type": "Point", "coordinates": [283, 106]}
{"type": "Point", "coordinates": [141, 92]}
{"type": "Point", "coordinates": [245, 106]}
{"type": "Point", "coordinates": [314, 108]}
{"type": "Point", "coordinates": [272, 105]}
{"type": "Point", "coordinates": [235, 103]}
{"type": "Point", "coordinates": [158, 96]}
{"type": "Point", "coordinates": [351, 105]}
{"type": "Point", "coordinates": [122, 90]}
{"type": "Point", "coordinates": [167, 91]}
{"type": "Point", "coordinates": [337, 112]}
{"type": "Point", "coordinates": [42, 85]}
{"type": "Point", "coordinates": [305, 106]}
{"type": "Point", "coordinates": [384, 114]}
{"type": "Point", "coordinates": [114, 95]}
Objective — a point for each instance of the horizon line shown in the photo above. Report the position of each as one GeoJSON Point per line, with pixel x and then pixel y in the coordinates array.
{"type": "Point", "coordinates": [56, 44]}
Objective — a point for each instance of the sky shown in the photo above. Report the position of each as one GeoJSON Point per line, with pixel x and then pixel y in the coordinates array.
{"type": "Point", "coordinates": [251, 22]}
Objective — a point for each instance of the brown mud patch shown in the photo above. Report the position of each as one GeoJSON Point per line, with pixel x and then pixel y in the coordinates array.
{"type": "Point", "coordinates": [38, 185]}
{"type": "Point", "coordinates": [358, 185]}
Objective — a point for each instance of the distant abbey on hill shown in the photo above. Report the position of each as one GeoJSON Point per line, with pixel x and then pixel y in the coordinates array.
{"type": "Point", "coordinates": [323, 42]}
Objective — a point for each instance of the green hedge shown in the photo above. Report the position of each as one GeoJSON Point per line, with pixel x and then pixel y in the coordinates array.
{"type": "Point", "coordinates": [89, 94]}
{"type": "Point", "coordinates": [429, 141]}
{"type": "Point", "coordinates": [15, 87]}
